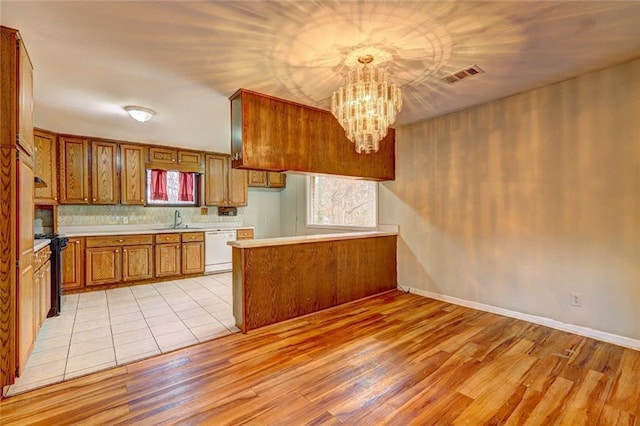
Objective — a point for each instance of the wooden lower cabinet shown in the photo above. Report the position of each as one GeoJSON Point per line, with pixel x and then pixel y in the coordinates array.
{"type": "Point", "coordinates": [168, 259]}
{"type": "Point", "coordinates": [72, 265]}
{"type": "Point", "coordinates": [130, 260]}
{"type": "Point", "coordinates": [193, 258]}
{"type": "Point", "coordinates": [104, 265]}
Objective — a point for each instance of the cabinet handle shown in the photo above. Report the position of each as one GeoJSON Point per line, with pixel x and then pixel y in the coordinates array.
{"type": "Point", "coordinates": [93, 199]}
{"type": "Point", "coordinates": [78, 242]}
{"type": "Point", "coordinates": [115, 251]}
{"type": "Point", "coordinates": [55, 198]}
{"type": "Point", "coordinates": [124, 250]}
{"type": "Point", "coordinates": [120, 241]}
{"type": "Point", "coordinates": [84, 199]}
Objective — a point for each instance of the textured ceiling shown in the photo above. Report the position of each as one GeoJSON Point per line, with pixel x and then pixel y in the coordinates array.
{"type": "Point", "coordinates": [183, 59]}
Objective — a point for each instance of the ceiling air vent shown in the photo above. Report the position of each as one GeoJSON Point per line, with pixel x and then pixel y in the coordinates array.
{"type": "Point", "coordinates": [462, 74]}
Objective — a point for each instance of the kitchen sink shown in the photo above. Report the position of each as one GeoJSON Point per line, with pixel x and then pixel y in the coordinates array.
{"type": "Point", "coordinates": [179, 228]}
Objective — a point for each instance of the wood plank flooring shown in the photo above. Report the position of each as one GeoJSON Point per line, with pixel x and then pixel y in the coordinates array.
{"type": "Point", "coordinates": [395, 358]}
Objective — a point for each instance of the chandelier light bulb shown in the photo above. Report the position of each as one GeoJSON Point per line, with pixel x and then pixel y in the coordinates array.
{"type": "Point", "coordinates": [367, 105]}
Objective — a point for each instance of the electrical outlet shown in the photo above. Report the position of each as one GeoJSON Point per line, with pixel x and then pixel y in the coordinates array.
{"type": "Point", "coordinates": [575, 299]}
{"type": "Point", "coordinates": [204, 210]}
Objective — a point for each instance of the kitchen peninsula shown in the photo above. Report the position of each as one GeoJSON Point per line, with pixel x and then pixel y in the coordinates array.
{"type": "Point", "coordinates": [276, 279]}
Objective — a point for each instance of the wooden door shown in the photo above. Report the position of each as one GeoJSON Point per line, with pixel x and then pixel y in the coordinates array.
{"type": "Point", "coordinates": [132, 174]}
{"type": "Point", "coordinates": [137, 262]}
{"type": "Point", "coordinates": [27, 303]}
{"type": "Point", "coordinates": [257, 178]}
{"type": "Point", "coordinates": [74, 170]}
{"type": "Point", "coordinates": [104, 173]}
{"type": "Point", "coordinates": [215, 186]}
{"type": "Point", "coordinates": [277, 180]}
{"type": "Point", "coordinates": [46, 147]}
{"type": "Point", "coordinates": [25, 105]}
{"type": "Point", "coordinates": [193, 258]}
{"type": "Point", "coordinates": [168, 260]}
{"type": "Point", "coordinates": [103, 265]}
{"type": "Point", "coordinates": [72, 264]}
{"type": "Point", "coordinates": [237, 195]}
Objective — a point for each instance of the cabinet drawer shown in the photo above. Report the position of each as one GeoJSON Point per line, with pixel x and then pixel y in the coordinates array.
{"type": "Point", "coordinates": [192, 236]}
{"type": "Point", "coordinates": [167, 238]}
{"type": "Point", "coordinates": [244, 234]}
{"type": "Point", "coordinates": [119, 240]}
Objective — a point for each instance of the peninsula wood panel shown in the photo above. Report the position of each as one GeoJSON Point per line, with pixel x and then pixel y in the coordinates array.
{"type": "Point", "coordinates": [46, 149]}
{"type": "Point", "coordinates": [394, 358]}
{"type": "Point", "coordinates": [74, 170]}
{"type": "Point", "coordinates": [273, 134]}
{"type": "Point", "coordinates": [104, 172]}
{"type": "Point", "coordinates": [132, 174]}
{"type": "Point", "coordinates": [275, 288]}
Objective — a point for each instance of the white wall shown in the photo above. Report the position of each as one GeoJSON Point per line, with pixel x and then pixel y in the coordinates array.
{"type": "Point", "coordinates": [518, 202]}
{"type": "Point", "coordinates": [263, 212]}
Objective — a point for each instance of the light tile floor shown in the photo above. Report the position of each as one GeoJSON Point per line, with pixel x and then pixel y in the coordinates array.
{"type": "Point", "coordinates": [102, 329]}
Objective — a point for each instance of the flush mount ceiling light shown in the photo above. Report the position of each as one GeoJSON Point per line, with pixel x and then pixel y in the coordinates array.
{"type": "Point", "coordinates": [140, 114]}
{"type": "Point", "coordinates": [367, 105]}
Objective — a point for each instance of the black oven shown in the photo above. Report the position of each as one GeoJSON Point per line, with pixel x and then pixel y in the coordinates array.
{"type": "Point", "coordinates": [58, 243]}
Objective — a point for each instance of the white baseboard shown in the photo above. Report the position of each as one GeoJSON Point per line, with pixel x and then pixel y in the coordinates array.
{"type": "Point", "coordinates": [217, 268]}
{"type": "Point", "coordinates": [548, 322]}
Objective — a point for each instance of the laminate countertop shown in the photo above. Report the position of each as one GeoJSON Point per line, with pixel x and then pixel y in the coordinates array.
{"type": "Point", "coordinates": [306, 239]}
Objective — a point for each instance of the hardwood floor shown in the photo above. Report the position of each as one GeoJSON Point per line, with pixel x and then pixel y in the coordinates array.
{"type": "Point", "coordinates": [395, 358]}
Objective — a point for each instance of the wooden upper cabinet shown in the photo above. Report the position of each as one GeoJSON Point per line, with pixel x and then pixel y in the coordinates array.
{"type": "Point", "coordinates": [237, 195]}
{"type": "Point", "coordinates": [74, 170]}
{"type": "Point", "coordinates": [132, 174]}
{"type": "Point", "coordinates": [216, 176]}
{"type": "Point", "coordinates": [276, 180]}
{"type": "Point", "coordinates": [224, 186]}
{"type": "Point", "coordinates": [190, 158]}
{"type": "Point", "coordinates": [257, 178]}
{"type": "Point", "coordinates": [104, 173]}
{"type": "Point", "coordinates": [25, 112]}
{"type": "Point", "coordinates": [46, 148]}
{"type": "Point", "coordinates": [267, 179]}
{"type": "Point", "coordinates": [277, 135]}
{"type": "Point", "coordinates": [159, 154]}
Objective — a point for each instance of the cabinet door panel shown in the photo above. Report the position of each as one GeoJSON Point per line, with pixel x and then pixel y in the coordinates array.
{"type": "Point", "coordinates": [137, 262]}
{"type": "Point", "coordinates": [190, 158]}
{"type": "Point", "coordinates": [215, 180]}
{"type": "Point", "coordinates": [103, 265]}
{"type": "Point", "coordinates": [277, 180]}
{"type": "Point", "coordinates": [162, 155]}
{"type": "Point", "coordinates": [46, 167]}
{"type": "Point", "coordinates": [132, 174]}
{"type": "Point", "coordinates": [74, 171]}
{"type": "Point", "coordinates": [237, 188]}
{"type": "Point", "coordinates": [192, 258]}
{"type": "Point", "coordinates": [72, 264]}
{"type": "Point", "coordinates": [257, 178]}
{"type": "Point", "coordinates": [104, 182]}
{"type": "Point", "coordinates": [25, 113]}
{"type": "Point", "coordinates": [45, 292]}
{"type": "Point", "coordinates": [168, 260]}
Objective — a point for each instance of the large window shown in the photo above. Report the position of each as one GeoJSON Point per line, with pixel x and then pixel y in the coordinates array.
{"type": "Point", "coordinates": [338, 202]}
{"type": "Point", "coordinates": [172, 188]}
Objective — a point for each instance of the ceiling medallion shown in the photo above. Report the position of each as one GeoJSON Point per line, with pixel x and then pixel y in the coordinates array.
{"type": "Point", "coordinates": [367, 104]}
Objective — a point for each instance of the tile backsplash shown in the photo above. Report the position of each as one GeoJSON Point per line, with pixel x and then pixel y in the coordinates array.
{"type": "Point", "coordinates": [120, 215]}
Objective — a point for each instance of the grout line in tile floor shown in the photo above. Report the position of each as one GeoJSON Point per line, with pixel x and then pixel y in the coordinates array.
{"type": "Point", "coordinates": [102, 329]}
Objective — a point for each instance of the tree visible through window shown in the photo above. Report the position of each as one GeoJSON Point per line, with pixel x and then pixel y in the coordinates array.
{"type": "Point", "coordinates": [341, 202]}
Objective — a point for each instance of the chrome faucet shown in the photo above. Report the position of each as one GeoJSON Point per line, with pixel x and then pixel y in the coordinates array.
{"type": "Point", "coordinates": [176, 216]}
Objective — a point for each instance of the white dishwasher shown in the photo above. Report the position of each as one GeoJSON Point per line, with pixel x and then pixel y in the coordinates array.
{"type": "Point", "coordinates": [216, 251]}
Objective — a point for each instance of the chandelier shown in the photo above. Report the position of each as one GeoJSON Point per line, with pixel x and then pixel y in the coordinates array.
{"type": "Point", "coordinates": [367, 105]}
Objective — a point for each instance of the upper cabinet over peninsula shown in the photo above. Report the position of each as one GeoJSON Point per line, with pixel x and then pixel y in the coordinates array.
{"type": "Point", "coordinates": [273, 134]}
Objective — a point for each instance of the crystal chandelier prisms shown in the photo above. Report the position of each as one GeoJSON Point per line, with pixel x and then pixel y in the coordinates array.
{"type": "Point", "coordinates": [367, 105]}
